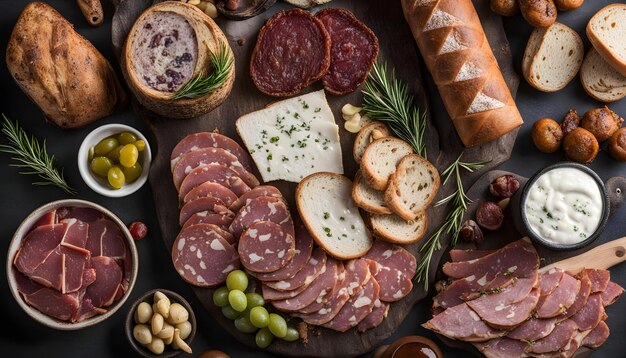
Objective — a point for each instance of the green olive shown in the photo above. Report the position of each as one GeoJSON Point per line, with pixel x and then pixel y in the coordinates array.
{"type": "Point", "coordinates": [141, 145]}
{"type": "Point", "coordinates": [90, 154]}
{"type": "Point", "coordinates": [129, 155]}
{"type": "Point", "coordinates": [100, 166]}
{"type": "Point", "coordinates": [132, 173]}
{"type": "Point", "coordinates": [105, 146]}
{"type": "Point", "coordinates": [114, 155]}
{"type": "Point", "coordinates": [126, 138]}
{"type": "Point", "coordinates": [116, 177]}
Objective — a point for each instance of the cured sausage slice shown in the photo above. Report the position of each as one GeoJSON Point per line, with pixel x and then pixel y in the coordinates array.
{"type": "Point", "coordinates": [321, 300]}
{"type": "Point", "coordinates": [315, 267]}
{"type": "Point", "coordinates": [292, 51]}
{"type": "Point", "coordinates": [194, 159]}
{"type": "Point", "coordinates": [356, 309]}
{"type": "Point", "coordinates": [209, 217]}
{"type": "Point", "coordinates": [263, 208]}
{"type": "Point", "coordinates": [213, 173]}
{"type": "Point", "coordinates": [394, 285]}
{"type": "Point", "coordinates": [378, 314]}
{"type": "Point", "coordinates": [392, 256]}
{"type": "Point", "coordinates": [215, 190]}
{"type": "Point", "coordinates": [207, 203]}
{"type": "Point", "coordinates": [304, 247]}
{"type": "Point", "coordinates": [210, 140]}
{"type": "Point", "coordinates": [263, 190]}
{"type": "Point", "coordinates": [202, 257]}
{"type": "Point", "coordinates": [354, 48]}
{"type": "Point", "coordinates": [265, 247]}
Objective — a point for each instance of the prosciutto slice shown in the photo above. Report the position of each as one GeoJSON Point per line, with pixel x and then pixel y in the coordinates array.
{"type": "Point", "coordinates": [534, 329]}
{"type": "Point", "coordinates": [462, 323]}
{"type": "Point", "coordinates": [592, 313]}
{"type": "Point", "coordinates": [560, 299]}
{"type": "Point", "coordinates": [556, 340]}
{"type": "Point", "coordinates": [457, 255]}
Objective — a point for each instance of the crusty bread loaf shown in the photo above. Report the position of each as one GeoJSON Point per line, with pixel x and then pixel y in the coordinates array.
{"type": "Point", "coordinates": [326, 207]}
{"type": "Point", "coordinates": [412, 187]}
{"type": "Point", "coordinates": [368, 198]}
{"type": "Point", "coordinates": [600, 80]}
{"type": "Point", "coordinates": [553, 57]}
{"type": "Point", "coordinates": [380, 159]}
{"type": "Point", "coordinates": [459, 58]}
{"type": "Point", "coordinates": [394, 229]}
{"type": "Point", "coordinates": [606, 31]}
{"type": "Point", "coordinates": [367, 134]}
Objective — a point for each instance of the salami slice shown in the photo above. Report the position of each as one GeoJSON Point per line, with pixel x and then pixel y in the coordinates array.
{"type": "Point", "coordinates": [202, 204]}
{"type": "Point", "coordinates": [218, 230]}
{"type": "Point", "coordinates": [356, 309]}
{"type": "Point", "coordinates": [394, 285]}
{"type": "Point", "coordinates": [209, 217]}
{"type": "Point", "coordinates": [354, 48]}
{"type": "Point", "coordinates": [314, 268]}
{"type": "Point", "coordinates": [263, 190]}
{"type": "Point", "coordinates": [392, 256]}
{"type": "Point", "coordinates": [213, 173]}
{"type": "Point", "coordinates": [202, 257]}
{"type": "Point", "coordinates": [263, 208]}
{"type": "Point", "coordinates": [210, 140]}
{"type": "Point", "coordinates": [215, 190]}
{"type": "Point", "coordinates": [292, 51]}
{"type": "Point", "coordinates": [265, 247]}
{"type": "Point", "coordinates": [378, 314]}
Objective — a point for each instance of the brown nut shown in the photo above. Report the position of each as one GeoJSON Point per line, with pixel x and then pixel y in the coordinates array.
{"type": "Point", "coordinates": [547, 135]}
{"type": "Point", "coordinates": [570, 122]}
{"type": "Point", "coordinates": [538, 13]}
{"type": "Point", "coordinates": [601, 122]}
{"type": "Point", "coordinates": [489, 215]}
{"type": "Point", "coordinates": [470, 232]}
{"type": "Point", "coordinates": [617, 144]}
{"type": "Point", "coordinates": [504, 186]}
{"type": "Point", "coordinates": [565, 5]}
{"type": "Point", "coordinates": [581, 146]}
{"type": "Point", "coordinates": [504, 7]}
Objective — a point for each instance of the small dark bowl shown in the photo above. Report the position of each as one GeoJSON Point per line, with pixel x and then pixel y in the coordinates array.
{"type": "Point", "coordinates": [129, 324]}
{"type": "Point", "coordinates": [563, 247]}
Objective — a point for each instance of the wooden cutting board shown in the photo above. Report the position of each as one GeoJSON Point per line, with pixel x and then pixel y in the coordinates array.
{"type": "Point", "coordinates": [398, 48]}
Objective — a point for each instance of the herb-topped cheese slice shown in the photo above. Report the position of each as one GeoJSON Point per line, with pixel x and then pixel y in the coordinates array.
{"type": "Point", "coordinates": [293, 138]}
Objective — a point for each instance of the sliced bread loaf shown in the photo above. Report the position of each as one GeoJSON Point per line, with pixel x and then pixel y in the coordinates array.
{"type": "Point", "coordinates": [556, 60]}
{"type": "Point", "coordinates": [412, 187]}
{"type": "Point", "coordinates": [367, 135]}
{"type": "Point", "coordinates": [600, 80]}
{"type": "Point", "coordinates": [326, 207]}
{"type": "Point", "coordinates": [380, 159]}
{"type": "Point", "coordinates": [394, 229]}
{"type": "Point", "coordinates": [368, 198]}
{"type": "Point", "coordinates": [606, 31]}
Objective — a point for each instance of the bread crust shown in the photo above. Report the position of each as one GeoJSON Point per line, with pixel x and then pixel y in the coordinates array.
{"type": "Point", "coordinates": [362, 202]}
{"type": "Point", "coordinates": [390, 237]}
{"type": "Point", "coordinates": [364, 136]}
{"type": "Point", "coordinates": [368, 171]}
{"type": "Point", "coordinates": [603, 49]}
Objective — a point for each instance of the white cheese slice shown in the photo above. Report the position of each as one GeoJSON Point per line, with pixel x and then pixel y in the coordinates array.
{"type": "Point", "coordinates": [293, 138]}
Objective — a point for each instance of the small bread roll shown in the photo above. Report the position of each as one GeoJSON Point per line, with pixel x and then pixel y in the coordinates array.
{"type": "Point", "coordinates": [581, 146]}
{"type": "Point", "coordinates": [602, 122]}
{"type": "Point", "coordinates": [547, 135]}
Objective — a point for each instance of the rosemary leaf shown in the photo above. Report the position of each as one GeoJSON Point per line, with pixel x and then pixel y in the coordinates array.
{"type": "Point", "coordinates": [202, 84]}
{"type": "Point", "coordinates": [29, 154]}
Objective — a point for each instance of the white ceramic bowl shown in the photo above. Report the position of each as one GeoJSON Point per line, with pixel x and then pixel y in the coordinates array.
{"type": "Point", "coordinates": [16, 242]}
{"type": "Point", "coordinates": [100, 185]}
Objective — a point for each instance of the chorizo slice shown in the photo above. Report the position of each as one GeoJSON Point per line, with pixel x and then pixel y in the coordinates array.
{"type": "Point", "coordinates": [265, 247]}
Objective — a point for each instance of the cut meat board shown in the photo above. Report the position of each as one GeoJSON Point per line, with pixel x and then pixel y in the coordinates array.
{"type": "Point", "coordinates": [509, 232]}
{"type": "Point", "coordinates": [397, 48]}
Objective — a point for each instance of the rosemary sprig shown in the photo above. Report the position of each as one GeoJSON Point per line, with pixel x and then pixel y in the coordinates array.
{"type": "Point", "coordinates": [453, 220]}
{"type": "Point", "coordinates": [202, 84]}
{"type": "Point", "coordinates": [387, 99]}
{"type": "Point", "coordinates": [30, 154]}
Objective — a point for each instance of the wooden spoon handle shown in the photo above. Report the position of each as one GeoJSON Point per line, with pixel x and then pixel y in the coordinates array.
{"type": "Point", "coordinates": [601, 257]}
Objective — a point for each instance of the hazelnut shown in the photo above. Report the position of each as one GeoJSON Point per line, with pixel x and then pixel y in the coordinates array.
{"type": "Point", "coordinates": [471, 232]}
{"type": "Point", "coordinates": [489, 215]}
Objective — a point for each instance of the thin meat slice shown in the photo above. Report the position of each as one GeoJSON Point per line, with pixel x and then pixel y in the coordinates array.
{"type": "Point", "coordinates": [549, 281]}
{"type": "Point", "coordinates": [556, 340]}
{"type": "Point", "coordinates": [534, 329]}
{"type": "Point", "coordinates": [106, 239]}
{"type": "Point", "coordinates": [213, 173]}
{"type": "Point", "coordinates": [612, 292]}
{"type": "Point", "coordinates": [262, 190]}
{"type": "Point", "coordinates": [37, 245]}
{"type": "Point", "coordinates": [470, 288]}
{"type": "Point", "coordinates": [560, 299]}
{"type": "Point", "coordinates": [376, 317]}
{"type": "Point", "coordinates": [356, 309]}
{"type": "Point", "coordinates": [502, 348]}
{"type": "Point", "coordinates": [572, 346]}
{"type": "Point", "coordinates": [53, 303]}
{"type": "Point", "coordinates": [457, 255]}
{"type": "Point", "coordinates": [108, 278]}
{"type": "Point", "coordinates": [87, 215]}
{"type": "Point", "coordinates": [511, 315]}
{"type": "Point", "coordinates": [310, 272]}
{"type": "Point", "coordinates": [220, 231]}
{"type": "Point", "coordinates": [597, 336]}
{"type": "Point", "coordinates": [203, 259]}
{"type": "Point", "coordinates": [392, 256]}
{"type": "Point", "coordinates": [48, 218]}
{"type": "Point", "coordinates": [599, 279]}
{"type": "Point", "coordinates": [263, 208]}
{"type": "Point", "coordinates": [394, 284]}
{"type": "Point", "coordinates": [209, 217]}
{"type": "Point", "coordinates": [25, 285]}
{"type": "Point", "coordinates": [324, 297]}
{"type": "Point", "coordinates": [202, 140]}
{"type": "Point", "coordinates": [462, 323]}
{"type": "Point", "coordinates": [215, 190]}
{"type": "Point", "coordinates": [581, 297]}
{"type": "Point", "coordinates": [592, 313]}
{"type": "Point", "coordinates": [207, 203]}
{"type": "Point", "coordinates": [265, 247]}
{"type": "Point", "coordinates": [302, 254]}
{"type": "Point", "coordinates": [353, 52]}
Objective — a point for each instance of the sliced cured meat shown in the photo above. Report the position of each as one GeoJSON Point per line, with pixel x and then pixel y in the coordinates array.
{"type": "Point", "coordinates": [534, 329]}
{"type": "Point", "coordinates": [292, 51]}
{"type": "Point", "coordinates": [202, 140]}
{"type": "Point", "coordinates": [220, 231]}
{"type": "Point", "coordinates": [597, 336]}
{"type": "Point", "coordinates": [53, 303]}
{"type": "Point", "coordinates": [106, 239]}
{"type": "Point", "coordinates": [48, 218]}
{"type": "Point", "coordinates": [502, 348]}
{"type": "Point", "coordinates": [581, 297]}
{"type": "Point", "coordinates": [302, 253]}
{"type": "Point", "coordinates": [109, 277]}
{"type": "Point", "coordinates": [354, 48]}
{"type": "Point", "coordinates": [599, 279]}
{"type": "Point", "coordinates": [263, 190]}
{"type": "Point", "coordinates": [209, 217]}
{"type": "Point", "coordinates": [556, 340]}
{"type": "Point", "coordinates": [457, 255]}
{"type": "Point", "coordinates": [394, 285]}
{"type": "Point", "coordinates": [460, 322]}
{"type": "Point", "coordinates": [263, 208]}
{"type": "Point", "coordinates": [206, 203]}
{"type": "Point", "coordinates": [392, 256]}
{"type": "Point", "coordinates": [612, 293]}
{"type": "Point", "coordinates": [510, 315]}
{"type": "Point", "coordinates": [25, 285]}
{"type": "Point", "coordinates": [87, 215]}
{"type": "Point", "coordinates": [572, 346]}
{"type": "Point", "coordinates": [213, 173]}
{"type": "Point", "coordinates": [36, 246]}
{"type": "Point", "coordinates": [356, 309]}
{"type": "Point", "coordinates": [469, 288]}
{"type": "Point", "coordinates": [203, 258]}
{"type": "Point", "coordinates": [194, 159]}
{"type": "Point", "coordinates": [265, 247]}
{"type": "Point", "coordinates": [560, 299]}
{"type": "Point", "coordinates": [215, 190]}
{"type": "Point", "coordinates": [378, 314]}
{"type": "Point", "coordinates": [322, 285]}
{"type": "Point", "coordinates": [592, 313]}
{"type": "Point", "coordinates": [548, 281]}
{"type": "Point", "coordinates": [310, 272]}
{"type": "Point", "coordinates": [323, 297]}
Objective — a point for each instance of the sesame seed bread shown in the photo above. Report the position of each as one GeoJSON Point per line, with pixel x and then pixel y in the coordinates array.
{"type": "Point", "coordinates": [600, 80]}
{"type": "Point", "coordinates": [394, 229]}
{"type": "Point", "coordinates": [606, 31]}
{"type": "Point", "coordinates": [380, 159]}
{"type": "Point", "coordinates": [368, 198]}
{"type": "Point", "coordinates": [366, 135]}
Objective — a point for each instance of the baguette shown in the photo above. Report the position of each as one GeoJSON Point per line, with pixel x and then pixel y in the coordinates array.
{"type": "Point", "coordinates": [606, 31]}
{"type": "Point", "coordinates": [380, 160]}
{"type": "Point", "coordinates": [394, 229]}
{"type": "Point", "coordinates": [457, 54]}
{"type": "Point", "coordinates": [368, 198]}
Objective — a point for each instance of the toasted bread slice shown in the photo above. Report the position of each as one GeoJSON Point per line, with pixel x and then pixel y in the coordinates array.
{"type": "Point", "coordinates": [368, 198]}
{"type": "Point", "coordinates": [394, 229]}
{"type": "Point", "coordinates": [600, 80]}
{"type": "Point", "coordinates": [606, 31]}
{"type": "Point", "coordinates": [380, 159]}
{"type": "Point", "coordinates": [326, 207]}
{"type": "Point", "coordinates": [412, 187]}
{"type": "Point", "coordinates": [366, 135]}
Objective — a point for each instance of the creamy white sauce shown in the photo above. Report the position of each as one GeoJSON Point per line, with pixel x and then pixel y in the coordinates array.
{"type": "Point", "coordinates": [564, 206]}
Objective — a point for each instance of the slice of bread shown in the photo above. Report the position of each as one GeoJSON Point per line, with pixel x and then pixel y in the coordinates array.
{"type": "Point", "coordinates": [412, 187]}
{"type": "Point", "coordinates": [326, 207]}
{"type": "Point", "coordinates": [556, 60]}
{"type": "Point", "coordinates": [600, 80]}
{"type": "Point", "coordinates": [368, 198]}
{"type": "Point", "coordinates": [394, 229]}
{"type": "Point", "coordinates": [367, 135]}
{"type": "Point", "coordinates": [380, 159]}
{"type": "Point", "coordinates": [606, 31]}
{"type": "Point", "coordinates": [532, 46]}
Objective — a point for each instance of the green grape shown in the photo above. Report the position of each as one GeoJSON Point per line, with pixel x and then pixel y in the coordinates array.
{"type": "Point", "coordinates": [277, 325]}
{"type": "Point", "coordinates": [100, 166]}
{"type": "Point", "coordinates": [229, 312]}
{"type": "Point", "coordinates": [129, 155]}
{"type": "Point", "coordinates": [263, 338]}
{"type": "Point", "coordinates": [116, 178]}
{"type": "Point", "coordinates": [244, 325]}
{"type": "Point", "coordinates": [126, 138]}
{"type": "Point", "coordinates": [105, 146]}
{"type": "Point", "coordinates": [237, 300]}
{"type": "Point", "coordinates": [220, 297]}
{"type": "Point", "coordinates": [132, 173]}
{"type": "Point", "coordinates": [292, 335]}
{"type": "Point", "coordinates": [259, 317]}
{"type": "Point", "coordinates": [141, 145]}
{"type": "Point", "coordinates": [237, 280]}
{"type": "Point", "coordinates": [254, 300]}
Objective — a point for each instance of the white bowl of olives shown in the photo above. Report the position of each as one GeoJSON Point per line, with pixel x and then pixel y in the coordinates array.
{"type": "Point", "coordinates": [114, 160]}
